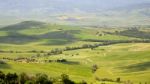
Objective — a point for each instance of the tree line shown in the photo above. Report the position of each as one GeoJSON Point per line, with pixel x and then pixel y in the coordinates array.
{"type": "Point", "coordinates": [23, 78]}
{"type": "Point", "coordinates": [58, 51]}
{"type": "Point", "coordinates": [31, 60]}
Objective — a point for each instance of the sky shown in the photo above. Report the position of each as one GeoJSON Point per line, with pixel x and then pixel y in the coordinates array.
{"type": "Point", "coordinates": [12, 9]}
{"type": "Point", "coordinates": [62, 5]}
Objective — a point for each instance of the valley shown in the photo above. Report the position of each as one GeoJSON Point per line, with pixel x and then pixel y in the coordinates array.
{"type": "Point", "coordinates": [116, 53]}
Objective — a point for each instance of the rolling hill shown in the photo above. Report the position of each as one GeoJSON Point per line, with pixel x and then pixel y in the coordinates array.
{"type": "Point", "coordinates": [26, 45]}
{"type": "Point", "coordinates": [33, 31]}
{"type": "Point", "coordinates": [81, 41]}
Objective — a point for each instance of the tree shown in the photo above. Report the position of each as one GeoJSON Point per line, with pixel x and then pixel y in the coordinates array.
{"type": "Point", "coordinates": [11, 78]}
{"type": "Point", "coordinates": [83, 82]}
{"type": "Point", "coordinates": [66, 80]}
{"type": "Point", "coordinates": [2, 76]}
{"type": "Point", "coordinates": [42, 79]}
{"type": "Point", "coordinates": [23, 77]}
{"type": "Point", "coordinates": [94, 68]}
{"type": "Point", "coordinates": [2, 62]}
{"type": "Point", "coordinates": [118, 80]}
{"type": "Point", "coordinates": [29, 82]}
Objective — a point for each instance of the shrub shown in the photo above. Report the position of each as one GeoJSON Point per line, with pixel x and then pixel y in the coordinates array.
{"type": "Point", "coordinates": [66, 80]}
{"type": "Point", "coordinates": [94, 68]}
{"type": "Point", "coordinates": [118, 80]}
{"type": "Point", "coordinates": [23, 77]}
{"type": "Point", "coordinates": [2, 62]}
{"type": "Point", "coordinates": [42, 79]}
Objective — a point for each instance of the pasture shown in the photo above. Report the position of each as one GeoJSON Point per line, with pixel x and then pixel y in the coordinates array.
{"type": "Point", "coordinates": [127, 61]}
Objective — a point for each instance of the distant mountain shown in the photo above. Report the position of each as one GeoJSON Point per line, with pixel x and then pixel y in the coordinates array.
{"type": "Point", "coordinates": [23, 25]}
{"type": "Point", "coordinates": [137, 14]}
{"type": "Point", "coordinates": [77, 12]}
{"type": "Point", "coordinates": [142, 9]}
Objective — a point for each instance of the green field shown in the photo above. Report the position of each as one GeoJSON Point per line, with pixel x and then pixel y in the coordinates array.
{"type": "Point", "coordinates": [128, 61]}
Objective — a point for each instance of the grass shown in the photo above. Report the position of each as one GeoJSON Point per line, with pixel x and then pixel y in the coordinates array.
{"type": "Point", "coordinates": [123, 55]}
{"type": "Point", "coordinates": [91, 34]}
{"type": "Point", "coordinates": [129, 61]}
{"type": "Point", "coordinates": [3, 33]}
{"type": "Point", "coordinates": [54, 34]}
{"type": "Point", "coordinates": [75, 71]}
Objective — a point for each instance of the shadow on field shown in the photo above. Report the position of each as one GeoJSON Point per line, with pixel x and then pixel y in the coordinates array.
{"type": "Point", "coordinates": [137, 67]}
{"type": "Point", "coordinates": [55, 38]}
{"type": "Point", "coordinates": [4, 66]}
{"type": "Point", "coordinates": [134, 33]}
{"type": "Point", "coordinates": [57, 42]}
{"type": "Point", "coordinates": [16, 38]}
{"type": "Point", "coordinates": [71, 63]}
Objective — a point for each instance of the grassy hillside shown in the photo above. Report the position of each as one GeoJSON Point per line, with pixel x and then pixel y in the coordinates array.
{"type": "Point", "coordinates": [121, 60]}
{"type": "Point", "coordinates": [127, 61]}
{"type": "Point", "coordinates": [32, 31]}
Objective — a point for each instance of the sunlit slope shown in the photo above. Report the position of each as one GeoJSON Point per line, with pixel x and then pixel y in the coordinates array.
{"type": "Point", "coordinates": [51, 34]}
{"type": "Point", "coordinates": [121, 60]}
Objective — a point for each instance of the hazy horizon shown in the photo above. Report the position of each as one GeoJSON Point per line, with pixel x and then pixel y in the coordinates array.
{"type": "Point", "coordinates": [49, 10]}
